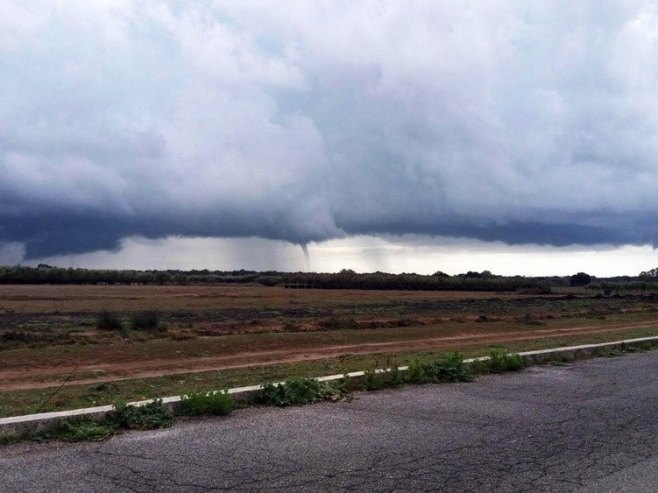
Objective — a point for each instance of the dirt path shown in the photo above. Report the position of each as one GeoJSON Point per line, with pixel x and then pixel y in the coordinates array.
{"type": "Point", "coordinates": [30, 378]}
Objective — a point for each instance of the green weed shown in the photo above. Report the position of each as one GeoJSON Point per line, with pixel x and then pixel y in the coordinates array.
{"type": "Point", "coordinates": [296, 392]}
{"type": "Point", "coordinates": [499, 362]}
{"type": "Point", "coordinates": [395, 378]}
{"type": "Point", "coordinates": [293, 392]}
{"type": "Point", "coordinates": [149, 416]}
{"type": "Point", "coordinates": [78, 431]}
{"type": "Point", "coordinates": [334, 392]}
{"type": "Point", "coordinates": [373, 380]}
{"type": "Point", "coordinates": [450, 368]}
{"type": "Point", "coordinates": [202, 403]}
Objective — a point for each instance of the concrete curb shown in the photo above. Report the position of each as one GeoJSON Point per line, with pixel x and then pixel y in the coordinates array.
{"type": "Point", "coordinates": [17, 426]}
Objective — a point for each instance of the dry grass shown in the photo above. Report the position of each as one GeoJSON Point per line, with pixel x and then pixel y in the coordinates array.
{"type": "Point", "coordinates": [48, 334]}
{"type": "Point", "coordinates": [92, 299]}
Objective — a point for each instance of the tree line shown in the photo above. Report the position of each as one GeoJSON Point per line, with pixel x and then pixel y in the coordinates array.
{"type": "Point", "coordinates": [345, 279]}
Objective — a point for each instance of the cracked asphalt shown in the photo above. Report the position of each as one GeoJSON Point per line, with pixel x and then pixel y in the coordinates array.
{"type": "Point", "coordinates": [589, 426]}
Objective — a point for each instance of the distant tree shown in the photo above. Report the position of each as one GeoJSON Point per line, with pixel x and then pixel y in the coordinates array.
{"type": "Point", "coordinates": [440, 273]}
{"type": "Point", "coordinates": [471, 274]}
{"type": "Point", "coordinates": [580, 279]}
{"type": "Point", "coordinates": [652, 273]}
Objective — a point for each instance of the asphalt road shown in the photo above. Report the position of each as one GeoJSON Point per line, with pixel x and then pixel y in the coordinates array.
{"type": "Point", "coordinates": [592, 425]}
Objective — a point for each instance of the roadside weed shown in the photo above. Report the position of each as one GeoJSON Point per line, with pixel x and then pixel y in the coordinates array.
{"type": "Point", "coordinates": [206, 403]}
{"type": "Point", "coordinates": [78, 431]}
{"type": "Point", "coordinates": [146, 417]}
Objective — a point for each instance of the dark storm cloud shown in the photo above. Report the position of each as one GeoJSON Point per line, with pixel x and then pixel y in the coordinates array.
{"type": "Point", "coordinates": [511, 121]}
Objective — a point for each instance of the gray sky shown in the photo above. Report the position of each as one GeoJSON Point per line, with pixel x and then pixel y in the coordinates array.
{"type": "Point", "coordinates": [443, 128]}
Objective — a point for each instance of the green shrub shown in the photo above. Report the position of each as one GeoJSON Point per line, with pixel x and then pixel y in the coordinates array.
{"type": "Point", "coordinates": [373, 380]}
{"type": "Point", "coordinates": [149, 416]}
{"type": "Point", "coordinates": [501, 362]}
{"type": "Point", "coordinates": [480, 366]}
{"type": "Point", "coordinates": [295, 392]}
{"type": "Point", "coordinates": [395, 378]}
{"type": "Point", "coordinates": [291, 393]}
{"type": "Point", "coordinates": [451, 368]}
{"type": "Point", "coordinates": [346, 382]}
{"type": "Point", "coordinates": [108, 320]}
{"type": "Point", "coordinates": [200, 403]}
{"type": "Point", "coordinates": [417, 372]}
{"type": "Point", "coordinates": [146, 320]}
{"type": "Point", "coordinates": [334, 392]}
{"type": "Point", "coordinates": [448, 369]}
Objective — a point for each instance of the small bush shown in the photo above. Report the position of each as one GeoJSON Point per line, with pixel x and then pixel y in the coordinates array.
{"type": "Point", "coordinates": [293, 392]}
{"type": "Point", "coordinates": [373, 380]}
{"type": "Point", "coordinates": [346, 383]}
{"type": "Point", "coordinates": [146, 320]}
{"type": "Point", "coordinates": [501, 362]}
{"type": "Point", "coordinates": [200, 403]}
{"type": "Point", "coordinates": [334, 392]}
{"type": "Point", "coordinates": [452, 369]}
{"type": "Point", "coordinates": [108, 320]}
{"type": "Point", "coordinates": [449, 369]}
{"type": "Point", "coordinates": [395, 378]}
{"type": "Point", "coordinates": [417, 372]}
{"type": "Point", "coordinates": [149, 416]}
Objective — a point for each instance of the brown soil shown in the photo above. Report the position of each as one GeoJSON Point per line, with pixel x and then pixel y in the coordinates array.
{"type": "Point", "coordinates": [74, 375]}
{"type": "Point", "coordinates": [16, 299]}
